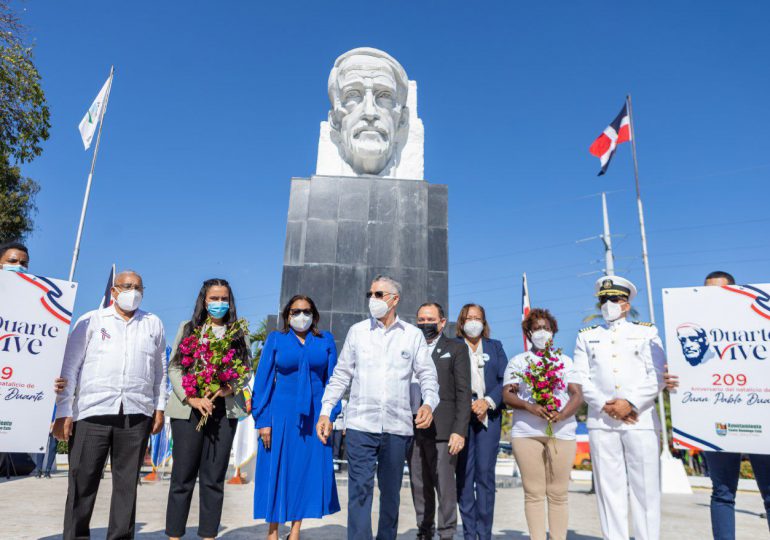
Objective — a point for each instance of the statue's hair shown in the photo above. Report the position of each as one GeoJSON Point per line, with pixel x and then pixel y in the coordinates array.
{"type": "Point", "coordinates": [402, 81]}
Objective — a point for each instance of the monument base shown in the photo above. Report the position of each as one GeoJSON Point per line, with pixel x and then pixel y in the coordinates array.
{"type": "Point", "coordinates": [343, 231]}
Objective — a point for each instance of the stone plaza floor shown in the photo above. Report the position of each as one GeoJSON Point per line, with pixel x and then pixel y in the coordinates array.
{"type": "Point", "coordinates": [33, 508]}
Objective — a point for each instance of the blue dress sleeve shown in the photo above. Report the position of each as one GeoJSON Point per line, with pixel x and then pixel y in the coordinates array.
{"type": "Point", "coordinates": [332, 362]}
{"type": "Point", "coordinates": [264, 383]}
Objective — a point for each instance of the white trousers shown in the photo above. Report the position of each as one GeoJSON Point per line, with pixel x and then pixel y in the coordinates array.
{"type": "Point", "coordinates": [627, 462]}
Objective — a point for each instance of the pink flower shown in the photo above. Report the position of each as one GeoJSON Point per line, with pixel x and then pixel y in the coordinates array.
{"type": "Point", "coordinates": [186, 361]}
{"type": "Point", "coordinates": [188, 344]}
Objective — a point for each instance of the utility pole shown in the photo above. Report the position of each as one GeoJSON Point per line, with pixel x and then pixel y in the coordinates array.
{"type": "Point", "coordinates": [609, 264]}
{"type": "Point", "coordinates": [606, 238]}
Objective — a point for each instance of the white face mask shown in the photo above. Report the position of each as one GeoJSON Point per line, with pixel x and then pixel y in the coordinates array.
{"type": "Point", "coordinates": [539, 338]}
{"type": "Point", "coordinates": [378, 308]}
{"type": "Point", "coordinates": [129, 300]}
{"type": "Point", "coordinates": [611, 311]}
{"type": "Point", "coordinates": [473, 328]}
{"type": "Point", "coordinates": [300, 322]}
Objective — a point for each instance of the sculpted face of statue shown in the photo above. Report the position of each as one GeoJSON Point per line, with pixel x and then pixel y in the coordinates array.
{"type": "Point", "coordinates": [367, 90]}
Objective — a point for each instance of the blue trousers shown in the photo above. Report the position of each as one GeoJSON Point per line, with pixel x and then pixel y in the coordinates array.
{"type": "Point", "coordinates": [476, 479]}
{"type": "Point", "coordinates": [724, 470]}
{"type": "Point", "coordinates": [39, 458]}
{"type": "Point", "coordinates": [384, 453]}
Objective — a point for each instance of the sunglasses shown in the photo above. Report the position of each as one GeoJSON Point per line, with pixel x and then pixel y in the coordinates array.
{"type": "Point", "coordinates": [295, 312]}
{"type": "Point", "coordinates": [613, 299]}
{"type": "Point", "coordinates": [378, 294]}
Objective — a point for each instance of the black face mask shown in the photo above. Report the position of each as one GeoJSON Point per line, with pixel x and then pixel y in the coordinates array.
{"type": "Point", "coordinates": [429, 330]}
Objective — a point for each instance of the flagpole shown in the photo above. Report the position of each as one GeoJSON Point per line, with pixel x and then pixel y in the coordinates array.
{"type": "Point", "coordinates": [76, 252]}
{"type": "Point", "coordinates": [666, 452]}
{"type": "Point", "coordinates": [525, 297]}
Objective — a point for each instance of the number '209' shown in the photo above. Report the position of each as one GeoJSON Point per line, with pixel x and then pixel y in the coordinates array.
{"type": "Point", "coordinates": [728, 379]}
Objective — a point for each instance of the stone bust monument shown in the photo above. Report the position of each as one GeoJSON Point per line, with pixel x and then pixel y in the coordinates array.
{"type": "Point", "coordinates": [373, 127]}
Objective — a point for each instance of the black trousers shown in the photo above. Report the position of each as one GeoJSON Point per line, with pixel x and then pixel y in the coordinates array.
{"type": "Point", "coordinates": [204, 454]}
{"type": "Point", "coordinates": [338, 452]}
{"type": "Point", "coordinates": [124, 438]}
{"type": "Point", "coordinates": [431, 473]}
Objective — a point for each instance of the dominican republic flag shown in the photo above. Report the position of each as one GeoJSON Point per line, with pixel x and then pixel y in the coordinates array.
{"type": "Point", "coordinates": [619, 131]}
{"type": "Point", "coordinates": [107, 298]}
{"type": "Point", "coordinates": [525, 306]}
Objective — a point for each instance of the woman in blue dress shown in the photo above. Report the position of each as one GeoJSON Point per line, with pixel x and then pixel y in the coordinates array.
{"type": "Point", "coordinates": [295, 474]}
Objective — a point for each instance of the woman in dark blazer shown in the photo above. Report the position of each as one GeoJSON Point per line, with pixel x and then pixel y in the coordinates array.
{"type": "Point", "coordinates": [476, 464]}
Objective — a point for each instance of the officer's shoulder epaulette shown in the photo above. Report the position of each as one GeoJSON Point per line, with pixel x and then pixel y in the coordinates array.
{"type": "Point", "coordinates": [587, 328]}
{"type": "Point", "coordinates": [640, 323]}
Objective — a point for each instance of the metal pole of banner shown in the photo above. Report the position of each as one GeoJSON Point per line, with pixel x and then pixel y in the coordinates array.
{"type": "Point", "coordinates": [668, 462]}
{"type": "Point", "coordinates": [76, 253]}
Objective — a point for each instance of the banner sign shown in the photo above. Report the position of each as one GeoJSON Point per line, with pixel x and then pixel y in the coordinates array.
{"type": "Point", "coordinates": [35, 316]}
{"type": "Point", "coordinates": [718, 343]}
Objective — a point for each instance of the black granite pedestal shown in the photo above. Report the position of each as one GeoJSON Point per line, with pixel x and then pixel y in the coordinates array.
{"type": "Point", "coordinates": [342, 232]}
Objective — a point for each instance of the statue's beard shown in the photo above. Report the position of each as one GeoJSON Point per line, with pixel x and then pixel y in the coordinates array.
{"type": "Point", "coordinates": [368, 151]}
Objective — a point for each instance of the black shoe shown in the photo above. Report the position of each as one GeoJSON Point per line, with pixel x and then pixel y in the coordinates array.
{"type": "Point", "coordinates": [39, 474]}
{"type": "Point", "coordinates": [48, 475]}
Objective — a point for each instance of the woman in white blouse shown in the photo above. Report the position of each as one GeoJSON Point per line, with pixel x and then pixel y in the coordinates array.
{"type": "Point", "coordinates": [545, 462]}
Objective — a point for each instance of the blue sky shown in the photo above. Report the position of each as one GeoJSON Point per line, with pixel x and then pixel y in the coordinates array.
{"type": "Point", "coordinates": [215, 106]}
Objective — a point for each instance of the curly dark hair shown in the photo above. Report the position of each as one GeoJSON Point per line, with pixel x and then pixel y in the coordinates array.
{"type": "Point", "coordinates": [539, 313]}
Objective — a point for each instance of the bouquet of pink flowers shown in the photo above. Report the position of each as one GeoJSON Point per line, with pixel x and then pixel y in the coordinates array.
{"type": "Point", "coordinates": [544, 378]}
{"type": "Point", "coordinates": [210, 363]}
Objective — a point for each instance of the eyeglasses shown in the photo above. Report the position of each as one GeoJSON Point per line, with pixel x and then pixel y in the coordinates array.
{"type": "Point", "coordinates": [129, 286]}
{"type": "Point", "coordinates": [378, 294]}
{"type": "Point", "coordinates": [613, 299]}
{"type": "Point", "coordinates": [294, 312]}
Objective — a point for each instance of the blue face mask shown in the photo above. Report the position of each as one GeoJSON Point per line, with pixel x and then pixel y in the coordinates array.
{"type": "Point", "coordinates": [15, 268]}
{"type": "Point", "coordinates": [218, 309]}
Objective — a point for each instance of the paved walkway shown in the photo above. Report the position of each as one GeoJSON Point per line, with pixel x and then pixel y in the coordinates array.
{"type": "Point", "coordinates": [33, 508]}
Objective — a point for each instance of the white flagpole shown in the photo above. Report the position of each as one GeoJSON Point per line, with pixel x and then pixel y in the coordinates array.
{"type": "Point", "coordinates": [674, 479]}
{"type": "Point", "coordinates": [90, 178]}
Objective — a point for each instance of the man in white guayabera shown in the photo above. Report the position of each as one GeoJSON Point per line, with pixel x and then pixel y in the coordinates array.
{"type": "Point", "coordinates": [114, 362]}
{"type": "Point", "coordinates": [368, 117]}
{"type": "Point", "coordinates": [378, 360]}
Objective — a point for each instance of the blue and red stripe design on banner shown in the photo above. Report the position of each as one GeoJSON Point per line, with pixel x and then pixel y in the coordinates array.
{"type": "Point", "coordinates": [761, 304]}
{"type": "Point", "coordinates": [49, 300]}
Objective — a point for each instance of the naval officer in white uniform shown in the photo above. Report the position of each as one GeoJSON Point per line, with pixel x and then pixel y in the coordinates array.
{"type": "Point", "coordinates": [621, 364]}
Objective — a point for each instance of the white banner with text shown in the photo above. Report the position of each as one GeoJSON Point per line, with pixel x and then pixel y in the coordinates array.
{"type": "Point", "coordinates": [35, 317]}
{"type": "Point", "coordinates": [718, 343]}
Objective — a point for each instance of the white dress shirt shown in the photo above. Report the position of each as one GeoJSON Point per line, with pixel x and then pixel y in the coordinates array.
{"type": "Point", "coordinates": [620, 360]}
{"type": "Point", "coordinates": [526, 424]}
{"type": "Point", "coordinates": [111, 362]}
{"type": "Point", "coordinates": [478, 386]}
{"type": "Point", "coordinates": [415, 394]}
{"type": "Point", "coordinates": [378, 363]}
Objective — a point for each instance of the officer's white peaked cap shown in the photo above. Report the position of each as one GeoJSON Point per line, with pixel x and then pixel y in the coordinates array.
{"type": "Point", "coordinates": [614, 286]}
